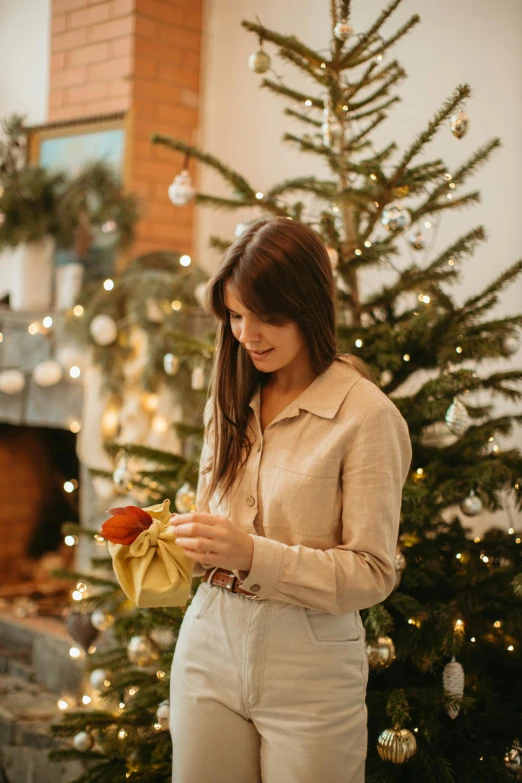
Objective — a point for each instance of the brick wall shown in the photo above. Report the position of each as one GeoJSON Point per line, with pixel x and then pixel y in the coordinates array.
{"type": "Point", "coordinates": [142, 57]}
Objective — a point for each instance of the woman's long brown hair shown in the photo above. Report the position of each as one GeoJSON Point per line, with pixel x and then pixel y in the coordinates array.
{"type": "Point", "coordinates": [280, 268]}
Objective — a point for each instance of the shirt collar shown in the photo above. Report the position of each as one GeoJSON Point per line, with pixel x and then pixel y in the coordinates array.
{"type": "Point", "coordinates": [323, 396]}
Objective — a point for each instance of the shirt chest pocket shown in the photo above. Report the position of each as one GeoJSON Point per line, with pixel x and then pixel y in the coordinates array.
{"type": "Point", "coordinates": [302, 493]}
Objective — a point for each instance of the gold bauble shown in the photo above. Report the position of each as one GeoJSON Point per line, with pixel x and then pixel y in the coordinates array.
{"type": "Point", "coordinates": [380, 653]}
{"type": "Point", "coordinates": [396, 745]}
{"type": "Point", "coordinates": [459, 124]}
{"type": "Point", "coordinates": [142, 651]}
{"type": "Point", "coordinates": [259, 61]}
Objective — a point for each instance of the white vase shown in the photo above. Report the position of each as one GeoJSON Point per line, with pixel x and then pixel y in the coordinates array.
{"type": "Point", "coordinates": [32, 275]}
{"type": "Point", "coordinates": [68, 284]}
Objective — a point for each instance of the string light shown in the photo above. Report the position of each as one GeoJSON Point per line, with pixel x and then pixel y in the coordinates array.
{"type": "Point", "coordinates": [176, 304]}
{"type": "Point", "coordinates": [477, 540]}
{"type": "Point", "coordinates": [473, 639]}
{"type": "Point", "coordinates": [511, 648]}
{"type": "Point", "coordinates": [74, 652]}
{"type": "Point", "coordinates": [68, 486]}
{"type": "Point", "coordinates": [32, 328]}
{"type": "Point", "coordinates": [458, 556]}
{"type": "Point", "coordinates": [427, 224]}
{"type": "Point", "coordinates": [78, 310]}
{"type": "Point", "coordinates": [122, 734]}
{"type": "Point", "coordinates": [75, 372]}
{"type": "Point", "coordinates": [185, 260]}
{"type": "Point", "coordinates": [450, 262]}
{"type": "Point", "coordinates": [358, 342]}
{"type": "Point", "coordinates": [47, 321]}
{"type": "Point", "coordinates": [358, 252]}
{"type": "Point", "coordinates": [108, 284]}
{"type": "Point", "coordinates": [86, 699]}
{"type": "Point", "coordinates": [160, 675]}
{"type": "Point", "coordinates": [458, 349]}
{"type": "Point", "coordinates": [75, 426]}
{"type": "Point", "coordinates": [63, 703]}
{"type": "Point", "coordinates": [260, 195]}
{"type": "Point", "coordinates": [406, 357]}
{"type": "Point", "coordinates": [367, 243]}
{"type": "Point", "coordinates": [308, 102]}
{"type": "Point", "coordinates": [71, 540]}
{"type": "Point", "coordinates": [497, 624]}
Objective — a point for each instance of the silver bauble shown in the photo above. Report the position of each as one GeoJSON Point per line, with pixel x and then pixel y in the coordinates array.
{"type": "Point", "coordinates": [453, 685]}
{"type": "Point", "coordinates": [181, 191]}
{"type": "Point", "coordinates": [98, 679]}
{"type": "Point", "coordinates": [459, 124]}
{"type": "Point", "coordinates": [380, 653]}
{"type": "Point", "coordinates": [472, 505]}
{"type": "Point", "coordinates": [396, 745]}
{"type": "Point", "coordinates": [511, 344]}
{"type": "Point", "coordinates": [417, 240]}
{"type": "Point", "coordinates": [163, 714]}
{"type": "Point", "coordinates": [170, 364]}
{"type": "Point", "coordinates": [185, 499]}
{"type": "Point", "coordinates": [395, 218]}
{"type": "Point", "coordinates": [165, 638]}
{"type": "Point", "coordinates": [513, 758]}
{"type": "Point", "coordinates": [142, 651]}
{"type": "Point", "coordinates": [83, 741]}
{"type": "Point", "coordinates": [457, 417]}
{"type": "Point", "coordinates": [101, 620]}
{"type": "Point", "coordinates": [259, 61]}
{"type": "Point", "coordinates": [103, 329]}
{"type": "Point", "coordinates": [121, 477]}
{"type": "Point", "coordinates": [343, 30]}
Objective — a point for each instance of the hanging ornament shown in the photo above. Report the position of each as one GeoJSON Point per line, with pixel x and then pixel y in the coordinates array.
{"type": "Point", "coordinates": [513, 757]}
{"type": "Point", "coordinates": [81, 629]}
{"type": "Point", "coordinates": [185, 499]}
{"type": "Point", "coordinates": [199, 292]}
{"type": "Point", "coordinates": [163, 714]}
{"type": "Point", "coordinates": [99, 679]}
{"type": "Point", "coordinates": [472, 505]}
{"type": "Point", "coordinates": [453, 685]}
{"type": "Point", "coordinates": [165, 638]}
{"type": "Point", "coordinates": [417, 240]}
{"type": "Point", "coordinates": [103, 329]}
{"type": "Point", "coordinates": [83, 741]}
{"type": "Point", "coordinates": [11, 381]}
{"type": "Point", "coordinates": [396, 745]}
{"type": "Point", "coordinates": [459, 124]}
{"type": "Point", "coordinates": [198, 377]}
{"type": "Point", "coordinates": [142, 651]}
{"type": "Point", "coordinates": [47, 373]}
{"type": "Point", "coordinates": [457, 417]}
{"type": "Point", "coordinates": [399, 564]}
{"type": "Point", "coordinates": [343, 30]}
{"type": "Point", "coordinates": [333, 255]}
{"type": "Point", "coordinates": [386, 377]}
{"type": "Point", "coordinates": [170, 364]}
{"type": "Point", "coordinates": [121, 477]}
{"type": "Point", "coordinates": [259, 62]}
{"type": "Point", "coordinates": [395, 218]}
{"type": "Point", "coordinates": [380, 653]}
{"type": "Point", "coordinates": [181, 191]}
{"type": "Point", "coordinates": [101, 620]}
{"type": "Point", "coordinates": [510, 343]}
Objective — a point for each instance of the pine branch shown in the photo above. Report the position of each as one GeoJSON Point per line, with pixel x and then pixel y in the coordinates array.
{"type": "Point", "coordinates": [303, 117]}
{"type": "Point", "coordinates": [324, 188]}
{"type": "Point", "coordinates": [497, 285]}
{"type": "Point", "coordinates": [354, 56]}
{"type": "Point", "coordinates": [286, 92]}
{"type": "Point", "coordinates": [238, 183]}
{"type": "Point", "coordinates": [285, 42]}
{"type": "Point", "coordinates": [381, 91]}
{"type": "Point", "coordinates": [377, 109]}
{"type": "Point", "coordinates": [219, 244]}
{"type": "Point", "coordinates": [360, 136]}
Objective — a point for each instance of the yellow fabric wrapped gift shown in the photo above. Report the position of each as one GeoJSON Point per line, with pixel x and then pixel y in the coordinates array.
{"type": "Point", "coordinates": [153, 570]}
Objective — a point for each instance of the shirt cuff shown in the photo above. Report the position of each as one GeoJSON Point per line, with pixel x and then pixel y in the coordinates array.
{"type": "Point", "coordinates": [267, 562]}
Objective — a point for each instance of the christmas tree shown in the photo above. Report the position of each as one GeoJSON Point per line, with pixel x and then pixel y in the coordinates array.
{"type": "Point", "coordinates": [445, 648]}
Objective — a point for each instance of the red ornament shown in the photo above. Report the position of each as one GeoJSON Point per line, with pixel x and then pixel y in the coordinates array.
{"type": "Point", "coordinates": [126, 524]}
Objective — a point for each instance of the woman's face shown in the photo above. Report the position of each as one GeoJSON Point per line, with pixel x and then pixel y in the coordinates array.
{"type": "Point", "coordinates": [256, 333]}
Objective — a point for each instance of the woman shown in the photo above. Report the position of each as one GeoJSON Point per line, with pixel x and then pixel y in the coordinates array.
{"type": "Point", "coordinates": [298, 499]}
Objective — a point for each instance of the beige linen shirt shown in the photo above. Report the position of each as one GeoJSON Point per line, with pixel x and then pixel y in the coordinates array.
{"type": "Point", "coordinates": [321, 495]}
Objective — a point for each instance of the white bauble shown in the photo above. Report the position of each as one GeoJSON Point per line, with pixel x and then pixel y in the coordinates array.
{"type": "Point", "coordinates": [163, 714]}
{"type": "Point", "coordinates": [181, 191]}
{"type": "Point", "coordinates": [170, 364]}
{"type": "Point", "coordinates": [11, 381]}
{"type": "Point", "coordinates": [83, 741]}
{"type": "Point", "coordinates": [101, 620]}
{"type": "Point", "coordinates": [453, 685]}
{"type": "Point", "coordinates": [47, 373]}
{"type": "Point", "coordinates": [165, 638]}
{"type": "Point", "coordinates": [103, 329]}
{"type": "Point", "coordinates": [98, 679]}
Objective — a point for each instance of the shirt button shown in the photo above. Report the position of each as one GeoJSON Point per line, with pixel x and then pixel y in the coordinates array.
{"type": "Point", "coordinates": [255, 588]}
{"type": "Point", "coordinates": [251, 500]}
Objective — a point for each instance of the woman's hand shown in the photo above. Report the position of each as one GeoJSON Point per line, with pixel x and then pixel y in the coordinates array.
{"type": "Point", "coordinates": [213, 540]}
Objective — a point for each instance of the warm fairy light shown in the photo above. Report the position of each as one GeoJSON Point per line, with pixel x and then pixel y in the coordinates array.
{"type": "Point", "coordinates": [92, 649]}
{"type": "Point", "coordinates": [62, 704]}
{"type": "Point", "coordinates": [406, 357]}
{"type": "Point", "coordinates": [308, 102]}
{"type": "Point", "coordinates": [379, 57]}
{"type": "Point", "coordinates": [447, 176]}
{"type": "Point", "coordinates": [107, 683]}
{"type": "Point", "coordinates": [415, 730]}
{"type": "Point", "coordinates": [99, 539]}
{"type": "Point", "coordinates": [472, 639]}
{"type": "Point", "coordinates": [358, 342]}
{"type": "Point", "coordinates": [158, 726]}
{"type": "Point", "coordinates": [151, 401]}
{"type": "Point", "coordinates": [160, 675]}
{"type": "Point", "coordinates": [132, 691]}
{"type": "Point", "coordinates": [419, 471]}
{"type": "Point", "coordinates": [71, 540]}
{"type": "Point", "coordinates": [159, 424]}
{"type": "Point", "coordinates": [86, 699]}
{"type": "Point", "coordinates": [367, 243]}
{"type": "Point", "coordinates": [260, 195]}
{"type": "Point", "coordinates": [372, 176]}
{"type": "Point", "coordinates": [345, 107]}
{"type": "Point", "coordinates": [176, 304]}
{"type": "Point", "coordinates": [450, 261]}
{"type": "Point", "coordinates": [82, 587]}
{"type": "Point", "coordinates": [485, 559]}
{"type": "Point", "coordinates": [76, 595]}
{"type": "Point", "coordinates": [376, 203]}
{"type": "Point", "coordinates": [517, 486]}
{"type": "Point", "coordinates": [452, 185]}
{"type": "Point", "coordinates": [47, 321]}
{"type": "Point", "coordinates": [75, 426]}
{"type": "Point", "coordinates": [32, 328]}
{"type": "Point", "coordinates": [477, 540]}
{"type": "Point", "coordinates": [427, 224]}
{"type": "Point", "coordinates": [122, 734]}
{"type": "Point", "coordinates": [323, 65]}
{"type": "Point", "coordinates": [449, 196]}
{"type": "Point", "coordinates": [358, 252]}
{"type": "Point", "coordinates": [78, 310]}
{"type": "Point", "coordinates": [335, 208]}
{"type": "Point", "coordinates": [185, 260]}
{"type": "Point", "coordinates": [108, 284]}
{"type": "Point", "coordinates": [426, 299]}
{"type": "Point", "coordinates": [518, 540]}
{"type": "Point", "coordinates": [459, 349]}
{"type": "Point", "coordinates": [511, 531]}
{"type": "Point", "coordinates": [458, 555]}
{"type": "Point", "coordinates": [497, 624]}
{"type": "Point", "coordinates": [511, 648]}
{"type": "Point", "coordinates": [68, 486]}
{"type": "Point", "coordinates": [122, 705]}
{"type": "Point", "coordinates": [75, 372]}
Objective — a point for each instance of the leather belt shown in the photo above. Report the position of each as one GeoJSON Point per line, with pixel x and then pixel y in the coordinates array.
{"type": "Point", "coordinates": [223, 578]}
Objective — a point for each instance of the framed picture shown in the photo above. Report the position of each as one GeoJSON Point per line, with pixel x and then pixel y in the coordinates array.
{"type": "Point", "coordinates": [69, 146]}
